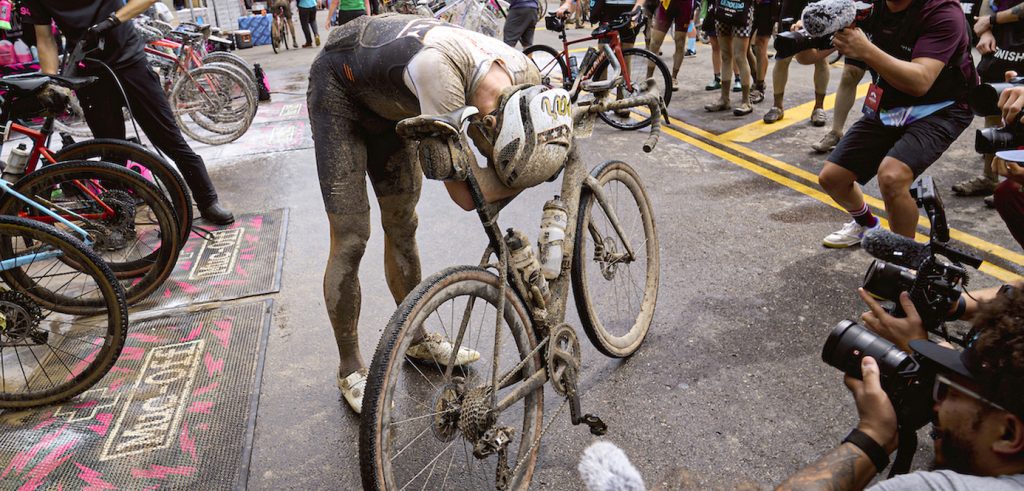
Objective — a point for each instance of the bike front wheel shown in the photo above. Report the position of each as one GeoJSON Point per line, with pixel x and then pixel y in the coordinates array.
{"type": "Point", "coordinates": [418, 428]}
{"type": "Point", "coordinates": [550, 65]}
{"type": "Point", "coordinates": [641, 65]}
{"type": "Point", "coordinates": [48, 351]}
{"type": "Point", "coordinates": [212, 105]}
{"type": "Point", "coordinates": [616, 292]}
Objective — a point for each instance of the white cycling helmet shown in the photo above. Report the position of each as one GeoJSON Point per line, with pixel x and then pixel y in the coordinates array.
{"type": "Point", "coordinates": [534, 138]}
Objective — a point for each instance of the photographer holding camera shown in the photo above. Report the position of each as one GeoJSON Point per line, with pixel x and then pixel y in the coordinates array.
{"type": "Point", "coordinates": [920, 61]}
{"type": "Point", "coordinates": [976, 404]}
{"type": "Point", "coordinates": [1009, 196]}
{"type": "Point", "coordinates": [1000, 28]}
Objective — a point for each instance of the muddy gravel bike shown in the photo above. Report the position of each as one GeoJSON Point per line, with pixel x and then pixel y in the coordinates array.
{"type": "Point", "coordinates": [479, 426]}
{"type": "Point", "coordinates": [607, 69]}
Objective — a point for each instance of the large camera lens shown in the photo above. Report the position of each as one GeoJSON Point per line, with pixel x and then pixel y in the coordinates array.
{"type": "Point", "coordinates": [849, 342]}
{"type": "Point", "coordinates": [887, 280]}
{"type": "Point", "coordinates": [992, 140]}
{"type": "Point", "coordinates": [790, 43]}
{"type": "Point", "coordinates": [984, 98]}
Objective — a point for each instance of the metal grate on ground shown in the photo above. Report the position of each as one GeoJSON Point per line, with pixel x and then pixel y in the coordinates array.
{"type": "Point", "coordinates": [177, 411]}
{"type": "Point", "coordinates": [239, 260]}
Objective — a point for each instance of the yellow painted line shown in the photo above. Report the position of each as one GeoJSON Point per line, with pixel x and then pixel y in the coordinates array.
{"type": "Point", "coordinates": [816, 193]}
{"type": "Point", "coordinates": [758, 129]}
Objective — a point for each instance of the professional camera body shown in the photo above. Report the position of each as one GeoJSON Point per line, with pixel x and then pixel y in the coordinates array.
{"type": "Point", "coordinates": [984, 100]}
{"type": "Point", "coordinates": [821, 20]}
{"type": "Point", "coordinates": [934, 275]}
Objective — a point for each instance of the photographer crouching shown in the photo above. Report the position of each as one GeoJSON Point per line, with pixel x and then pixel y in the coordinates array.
{"type": "Point", "coordinates": [1009, 195]}
{"type": "Point", "coordinates": [975, 399]}
{"type": "Point", "coordinates": [919, 57]}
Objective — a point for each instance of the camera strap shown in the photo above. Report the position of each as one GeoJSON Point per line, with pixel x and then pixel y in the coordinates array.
{"type": "Point", "coordinates": [905, 451]}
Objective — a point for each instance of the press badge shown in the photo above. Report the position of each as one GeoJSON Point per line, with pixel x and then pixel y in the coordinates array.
{"type": "Point", "coordinates": [871, 101]}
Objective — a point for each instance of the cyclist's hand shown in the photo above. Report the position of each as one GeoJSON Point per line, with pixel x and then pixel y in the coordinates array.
{"type": "Point", "coordinates": [54, 98]}
{"type": "Point", "coordinates": [563, 11]}
{"type": "Point", "coordinates": [94, 33]}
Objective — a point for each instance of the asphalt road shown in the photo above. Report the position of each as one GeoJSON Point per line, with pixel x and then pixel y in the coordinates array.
{"type": "Point", "coordinates": [728, 390]}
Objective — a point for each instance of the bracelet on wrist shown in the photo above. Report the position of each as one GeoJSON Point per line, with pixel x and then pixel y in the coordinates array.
{"type": "Point", "coordinates": [869, 446]}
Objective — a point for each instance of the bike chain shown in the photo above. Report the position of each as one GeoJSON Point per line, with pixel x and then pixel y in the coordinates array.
{"type": "Point", "coordinates": [539, 437]}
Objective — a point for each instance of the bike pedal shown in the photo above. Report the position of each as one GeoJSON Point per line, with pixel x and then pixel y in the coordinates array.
{"type": "Point", "coordinates": [597, 427]}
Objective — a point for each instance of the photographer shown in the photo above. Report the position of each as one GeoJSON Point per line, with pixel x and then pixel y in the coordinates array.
{"type": "Point", "coordinates": [978, 420]}
{"type": "Point", "coordinates": [919, 57]}
{"type": "Point", "coordinates": [1001, 44]}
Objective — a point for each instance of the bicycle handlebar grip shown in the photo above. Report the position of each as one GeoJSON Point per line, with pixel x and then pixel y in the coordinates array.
{"type": "Point", "coordinates": [652, 138]}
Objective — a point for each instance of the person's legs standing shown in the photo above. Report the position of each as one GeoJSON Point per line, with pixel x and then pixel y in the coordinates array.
{"type": "Point", "coordinates": [307, 17]}
{"type": "Point", "coordinates": [740, 49]}
{"type": "Point", "coordinates": [821, 76]}
{"type": "Point", "coordinates": [846, 94]}
{"type": "Point", "coordinates": [725, 47]}
{"type": "Point", "coordinates": [101, 104]}
{"type": "Point", "coordinates": [152, 111]}
{"type": "Point", "coordinates": [519, 26]}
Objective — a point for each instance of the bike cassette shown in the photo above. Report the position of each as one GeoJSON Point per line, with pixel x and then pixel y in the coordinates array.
{"type": "Point", "coordinates": [563, 352]}
{"type": "Point", "coordinates": [120, 229]}
{"type": "Point", "coordinates": [19, 318]}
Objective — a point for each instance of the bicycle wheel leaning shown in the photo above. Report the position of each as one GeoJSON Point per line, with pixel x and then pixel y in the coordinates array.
{"type": "Point", "coordinates": [550, 64]}
{"type": "Point", "coordinates": [231, 59]}
{"type": "Point", "coordinates": [137, 237]}
{"type": "Point", "coordinates": [212, 105]}
{"type": "Point", "coordinates": [642, 65]}
{"type": "Point", "coordinates": [134, 156]}
{"type": "Point", "coordinates": [616, 294]}
{"type": "Point", "coordinates": [48, 353]}
{"type": "Point", "coordinates": [413, 419]}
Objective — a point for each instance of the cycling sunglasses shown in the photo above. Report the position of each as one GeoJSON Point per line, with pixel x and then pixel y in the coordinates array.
{"type": "Point", "coordinates": [943, 384]}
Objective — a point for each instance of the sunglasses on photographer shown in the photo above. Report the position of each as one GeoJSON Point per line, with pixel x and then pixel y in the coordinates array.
{"type": "Point", "coordinates": [943, 384]}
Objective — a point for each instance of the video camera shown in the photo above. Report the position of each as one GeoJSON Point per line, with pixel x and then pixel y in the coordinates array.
{"type": "Point", "coordinates": [984, 100]}
{"type": "Point", "coordinates": [821, 20]}
{"type": "Point", "coordinates": [934, 275]}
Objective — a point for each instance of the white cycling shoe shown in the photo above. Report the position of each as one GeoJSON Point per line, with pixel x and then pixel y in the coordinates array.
{"type": "Point", "coordinates": [435, 348]}
{"type": "Point", "coordinates": [353, 387]}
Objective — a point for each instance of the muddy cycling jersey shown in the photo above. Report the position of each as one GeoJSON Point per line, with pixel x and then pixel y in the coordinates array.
{"type": "Point", "coordinates": [400, 66]}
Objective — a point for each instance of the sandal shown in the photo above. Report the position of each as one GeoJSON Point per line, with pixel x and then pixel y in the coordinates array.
{"type": "Point", "coordinates": [352, 387]}
{"type": "Point", "coordinates": [716, 106]}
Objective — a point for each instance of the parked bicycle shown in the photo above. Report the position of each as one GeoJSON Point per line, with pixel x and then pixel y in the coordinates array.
{"type": "Point", "coordinates": [608, 70]}
{"type": "Point", "coordinates": [432, 426]}
{"type": "Point", "coordinates": [280, 27]}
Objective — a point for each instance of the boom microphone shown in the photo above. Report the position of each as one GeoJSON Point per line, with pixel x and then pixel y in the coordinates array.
{"type": "Point", "coordinates": [894, 248]}
{"type": "Point", "coordinates": [828, 17]}
{"type": "Point", "coordinates": [605, 467]}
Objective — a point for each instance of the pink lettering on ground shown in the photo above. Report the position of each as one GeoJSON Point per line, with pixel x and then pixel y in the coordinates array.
{"type": "Point", "coordinates": [21, 459]}
{"type": "Point", "coordinates": [157, 471]}
{"type": "Point", "coordinates": [200, 407]}
{"type": "Point", "coordinates": [213, 366]}
{"type": "Point", "coordinates": [44, 423]}
{"type": "Point", "coordinates": [167, 293]}
{"type": "Point", "coordinates": [252, 239]}
{"type": "Point", "coordinates": [228, 282]}
{"type": "Point", "coordinates": [93, 478]}
{"type": "Point", "coordinates": [145, 338]}
{"type": "Point", "coordinates": [240, 270]}
{"type": "Point", "coordinates": [104, 419]}
{"type": "Point", "coordinates": [193, 334]}
{"type": "Point", "coordinates": [188, 445]}
{"type": "Point", "coordinates": [52, 461]}
{"type": "Point", "coordinates": [113, 386]}
{"type": "Point", "coordinates": [247, 257]}
{"type": "Point", "coordinates": [132, 353]}
{"type": "Point", "coordinates": [185, 265]}
{"type": "Point", "coordinates": [204, 389]}
{"type": "Point", "coordinates": [256, 221]}
{"type": "Point", "coordinates": [186, 287]}
{"type": "Point", "coordinates": [86, 405]}
{"type": "Point", "coordinates": [222, 329]}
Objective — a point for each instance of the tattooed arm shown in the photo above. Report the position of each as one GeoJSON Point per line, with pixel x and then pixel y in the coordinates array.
{"type": "Point", "coordinates": [844, 468]}
{"type": "Point", "coordinates": [847, 467]}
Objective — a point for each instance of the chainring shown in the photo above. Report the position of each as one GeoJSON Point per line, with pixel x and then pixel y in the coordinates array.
{"type": "Point", "coordinates": [563, 352]}
{"type": "Point", "coordinates": [19, 318]}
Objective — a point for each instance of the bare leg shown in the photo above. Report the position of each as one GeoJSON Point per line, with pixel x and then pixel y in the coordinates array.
{"type": "Point", "coordinates": [780, 76]}
{"type": "Point", "coordinates": [342, 294]}
{"type": "Point", "coordinates": [716, 55]}
{"type": "Point", "coordinates": [846, 94]}
{"type": "Point", "coordinates": [894, 179]}
{"type": "Point", "coordinates": [741, 52]}
{"type": "Point", "coordinates": [726, 47]}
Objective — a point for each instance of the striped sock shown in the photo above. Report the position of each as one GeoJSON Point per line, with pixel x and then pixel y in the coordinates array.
{"type": "Point", "coordinates": [863, 216]}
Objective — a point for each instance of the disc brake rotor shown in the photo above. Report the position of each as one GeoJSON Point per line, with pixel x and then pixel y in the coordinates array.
{"type": "Point", "coordinates": [19, 320]}
{"type": "Point", "coordinates": [447, 407]}
{"type": "Point", "coordinates": [118, 230]}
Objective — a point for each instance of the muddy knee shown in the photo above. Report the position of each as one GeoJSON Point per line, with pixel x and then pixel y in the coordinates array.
{"type": "Point", "coordinates": [398, 216]}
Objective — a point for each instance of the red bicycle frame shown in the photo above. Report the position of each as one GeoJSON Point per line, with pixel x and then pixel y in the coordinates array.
{"type": "Point", "coordinates": [613, 41]}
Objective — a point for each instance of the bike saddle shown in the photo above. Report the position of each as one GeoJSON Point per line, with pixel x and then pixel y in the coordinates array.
{"type": "Point", "coordinates": [73, 83]}
{"type": "Point", "coordinates": [185, 37]}
{"type": "Point", "coordinates": [28, 82]}
{"type": "Point", "coordinates": [420, 127]}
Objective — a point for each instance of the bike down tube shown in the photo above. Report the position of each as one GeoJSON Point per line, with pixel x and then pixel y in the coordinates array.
{"type": "Point", "coordinates": [19, 261]}
{"type": "Point", "coordinates": [7, 188]}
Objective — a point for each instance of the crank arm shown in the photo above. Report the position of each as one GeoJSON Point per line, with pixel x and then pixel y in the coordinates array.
{"type": "Point", "coordinates": [596, 425]}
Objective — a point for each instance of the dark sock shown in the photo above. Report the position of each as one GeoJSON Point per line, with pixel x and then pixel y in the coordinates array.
{"type": "Point", "coordinates": [759, 85]}
{"type": "Point", "coordinates": [864, 217]}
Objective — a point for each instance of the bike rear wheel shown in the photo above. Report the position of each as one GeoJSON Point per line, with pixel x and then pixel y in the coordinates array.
{"type": "Point", "coordinates": [47, 352]}
{"type": "Point", "coordinates": [139, 240]}
{"type": "Point", "coordinates": [550, 65]}
{"type": "Point", "coordinates": [213, 105]}
{"type": "Point", "coordinates": [615, 294]}
{"type": "Point", "coordinates": [231, 59]}
{"type": "Point", "coordinates": [642, 65]}
{"type": "Point", "coordinates": [133, 155]}
{"type": "Point", "coordinates": [402, 434]}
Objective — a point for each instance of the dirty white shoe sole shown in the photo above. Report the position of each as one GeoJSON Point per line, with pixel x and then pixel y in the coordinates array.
{"type": "Point", "coordinates": [435, 348]}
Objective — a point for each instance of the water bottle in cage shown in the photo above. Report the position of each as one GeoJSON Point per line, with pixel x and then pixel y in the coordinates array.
{"type": "Point", "coordinates": [573, 69]}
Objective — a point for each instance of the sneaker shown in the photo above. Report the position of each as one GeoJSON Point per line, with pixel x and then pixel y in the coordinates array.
{"type": "Point", "coordinates": [743, 109]}
{"type": "Point", "coordinates": [977, 186]}
{"type": "Point", "coordinates": [774, 114]}
{"type": "Point", "coordinates": [307, 45]}
{"type": "Point", "coordinates": [990, 201]}
{"type": "Point", "coordinates": [714, 107]}
{"type": "Point", "coordinates": [318, 40]}
{"type": "Point", "coordinates": [756, 96]}
{"type": "Point", "coordinates": [736, 87]}
{"type": "Point", "coordinates": [352, 387]}
{"type": "Point", "coordinates": [715, 84]}
{"type": "Point", "coordinates": [675, 84]}
{"type": "Point", "coordinates": [436, 349]}
{"type": "Point", "coordinates": [848, 236]}
{"type": "Point", "coordinates": [690, 53]}
{"type": "Point", "coordinates": [818, 117]}
{"type": "Point", "coordinates": [827, 143]}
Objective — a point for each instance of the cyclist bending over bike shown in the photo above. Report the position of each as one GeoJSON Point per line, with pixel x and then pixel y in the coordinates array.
{"type": "Point", "coordinates": [372, 73]}
{"type": "Point", "coordinates": [283, 8]}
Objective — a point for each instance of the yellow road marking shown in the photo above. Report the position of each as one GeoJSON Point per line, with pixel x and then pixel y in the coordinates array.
{"type": "Point", "coordinates": [758, 129]}
{"type": "Point", "coordinates": [816, 193]}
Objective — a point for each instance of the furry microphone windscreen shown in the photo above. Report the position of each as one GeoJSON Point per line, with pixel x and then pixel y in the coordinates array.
{"type": "Point", "coordinates": [605, 467]}
{"type": "Point", "coordinates": [827, 17]}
